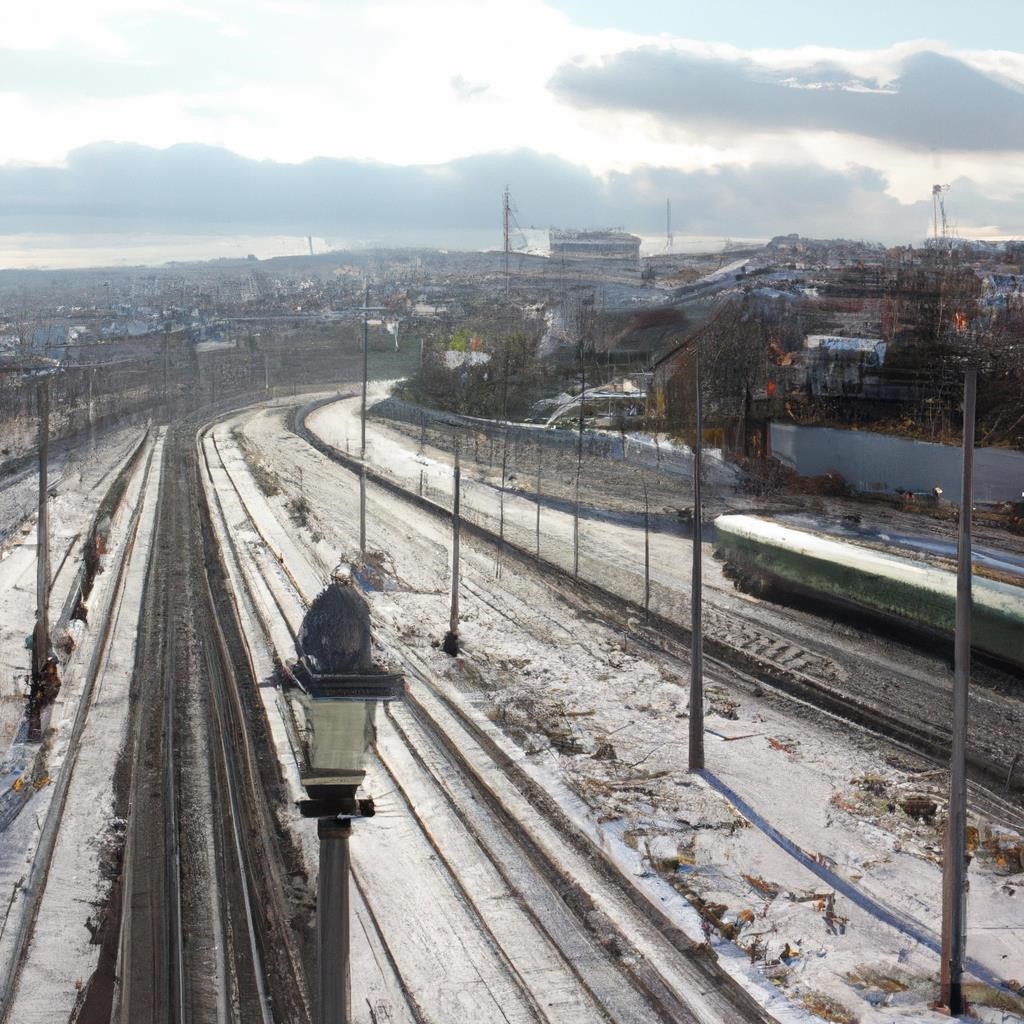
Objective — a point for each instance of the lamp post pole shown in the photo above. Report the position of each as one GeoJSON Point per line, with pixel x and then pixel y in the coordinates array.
{"type": "Point", "coordinates": [334, 978]}
{"type": "Point", "coordinates": [336, 697]}
{"type": "Point", "coordinates": [696, 745]}
{"type": "Point", "coordinates": [955, 861]}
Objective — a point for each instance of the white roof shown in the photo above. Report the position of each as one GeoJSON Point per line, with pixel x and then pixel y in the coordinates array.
{"type": "Point", "coordinates": [993, 594]}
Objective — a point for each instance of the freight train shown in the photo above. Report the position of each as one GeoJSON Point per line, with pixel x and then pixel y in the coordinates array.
{"type": "Point", "coordinates": [765, 556]}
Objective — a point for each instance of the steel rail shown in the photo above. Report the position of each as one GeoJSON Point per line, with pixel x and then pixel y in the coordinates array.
{"type": "Point", "coordinates": [241, 774]}
{"type": "Point", "coordinates": [40, 869]}
{"type": "Point", "coordinates": [647, 980]}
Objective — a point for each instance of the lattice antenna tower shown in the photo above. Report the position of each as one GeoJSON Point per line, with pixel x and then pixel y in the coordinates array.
{"type": "Point", "coordinates": [939, 207]}
{"type": "Point", "coordinates": [506, 214]}
{"type": "Point", "coordinates": [668, 225]}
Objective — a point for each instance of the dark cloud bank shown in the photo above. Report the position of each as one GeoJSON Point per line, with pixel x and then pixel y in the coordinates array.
{"type": "Point", "coordinates": [198, 189]}
{"type": "Point", "coordinates": [936, 102]}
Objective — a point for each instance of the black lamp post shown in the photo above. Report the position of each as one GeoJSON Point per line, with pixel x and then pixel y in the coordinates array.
{"type": "Point", "coordinates": [339, 691]}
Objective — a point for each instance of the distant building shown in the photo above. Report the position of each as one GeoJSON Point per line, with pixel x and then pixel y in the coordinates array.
{"type": "Point", "coordinates": [50, 340]}
{"type": "Point", "coordinates": [843, 367]}
{"type": "Point", "coordinates": [615, 247]}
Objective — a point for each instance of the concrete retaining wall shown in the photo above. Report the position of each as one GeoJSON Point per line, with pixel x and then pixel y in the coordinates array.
{"type": "Point", "coordinates": [880, 462]}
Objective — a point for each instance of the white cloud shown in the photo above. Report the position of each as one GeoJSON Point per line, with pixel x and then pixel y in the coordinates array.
{"type": "Point", "coordinates": [373, 79]}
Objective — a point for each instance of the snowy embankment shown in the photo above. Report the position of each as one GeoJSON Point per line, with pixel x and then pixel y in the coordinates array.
{"type": "Point", "coordinates": [610, 723]}
{"type": "Point", "coordinates": [57, 851]}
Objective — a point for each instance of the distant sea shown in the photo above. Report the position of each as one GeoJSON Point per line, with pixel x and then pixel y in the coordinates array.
{"type": "Point", "coordinates": [52, 251]}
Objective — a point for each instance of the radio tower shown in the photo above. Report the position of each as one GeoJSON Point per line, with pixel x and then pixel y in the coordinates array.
{"type": "Point", "coordinates": [939, 206]}
{"type": "Point", "coordinates": [506, 213]}
{"type": "Point", "coordinates": [668, 225]}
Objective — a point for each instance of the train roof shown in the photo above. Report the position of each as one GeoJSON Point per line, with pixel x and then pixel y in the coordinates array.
{"type": "Point", "coordinates": [1004, 598]}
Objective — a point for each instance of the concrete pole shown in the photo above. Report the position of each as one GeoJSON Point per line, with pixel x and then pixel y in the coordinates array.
{"type": "Point", "coordinates": [579, 470]}
{"type": "Point", "coordinates": [92, 411]}
{"type": "Point", "coordinates": [456, 496]}
{"type": "Point", "coordinates": [696, 626]}
{"type": "Point", "coordinates": [362, 432]}
{"type": "Point", "coordinates": [451, 640]}
{"type": "Point", "coordinates": [956, 860]}
{"type": "Point", "coordinates": [539, 454]}
{"type": "Point", "coordinates": [334, 980]}
{"type": "Point", "coordinates": [501, 507]}
{"type": "Point", "coordinates": [165, 357]}
{"type": "Point", "coordinates": [362, 512]}
{"type": "Point", "coordinates": [647, 551]}
{"type": "Point", "coordinates": [362, 418]}
{"type": "Point", "coordinates": [41, 638]}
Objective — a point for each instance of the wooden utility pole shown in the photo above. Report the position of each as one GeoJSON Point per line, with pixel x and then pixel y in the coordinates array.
{"type": "Point", "coordinates": [956, 859]}
{"type": "Point", "coordinates": [696, 760]}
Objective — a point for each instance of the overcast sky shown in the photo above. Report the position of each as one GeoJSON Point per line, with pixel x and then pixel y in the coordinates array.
{"type": "Point", "coordinates": [336, 116]}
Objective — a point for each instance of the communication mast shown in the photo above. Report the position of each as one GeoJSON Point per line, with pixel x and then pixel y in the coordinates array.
{"type": "Point", "coordinates": [939, 208]}
{"type": "Point", "coordinates": [668, 225]}
{"type": "Point", "coordinates": [506, 214]}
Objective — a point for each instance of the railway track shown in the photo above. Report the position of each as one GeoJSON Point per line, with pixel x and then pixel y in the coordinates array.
{"type": "Point", "coordinates": [200, 938]}
{"type": "Point", "coordinates": [837, 679]}
{"type": "Point", "coordinates": [531, 931]}
{"type": "Point", "coordinates": [38, 874]}
{"type": "Point", "coordinates": [785, 656]}
{"type": "Point", "coordinates": [151, 971]}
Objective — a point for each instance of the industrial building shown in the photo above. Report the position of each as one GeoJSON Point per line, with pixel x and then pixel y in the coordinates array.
{"type": "Point", "coordinates": [609, 247]}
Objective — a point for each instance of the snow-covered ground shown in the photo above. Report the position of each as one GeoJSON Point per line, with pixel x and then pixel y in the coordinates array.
{"type": "Point", "coordinates": [824, 888]}
{"type": "Point", "coordinates": [81, 479]}
{"type": "Point", "coordinates": [57, 850]}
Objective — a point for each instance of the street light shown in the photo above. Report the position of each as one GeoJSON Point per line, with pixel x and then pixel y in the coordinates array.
{"type": "Point", "coordinates": [335, 707]}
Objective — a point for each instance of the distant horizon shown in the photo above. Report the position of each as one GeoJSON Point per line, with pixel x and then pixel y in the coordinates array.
{"type": "Point", "coordinates": [381, 122]}
{"type": "Point", "coordinates": [155, 251]}
{"type": "Point", "coordinates": [124, 191]}
{"type": "Point", "coordinates": [163, 249]}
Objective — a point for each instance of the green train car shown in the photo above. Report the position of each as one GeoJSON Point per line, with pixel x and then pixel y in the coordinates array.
{"type": "Point", "coordinates": [763, 554]}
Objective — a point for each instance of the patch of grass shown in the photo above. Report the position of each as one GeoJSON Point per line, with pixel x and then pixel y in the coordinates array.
{"type": "Point", "coordinates": [827, 1008]}
{"type": "Point", "coordinates": [266, 479]}
{"type": "Point", "coordinates": [299, 509]}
